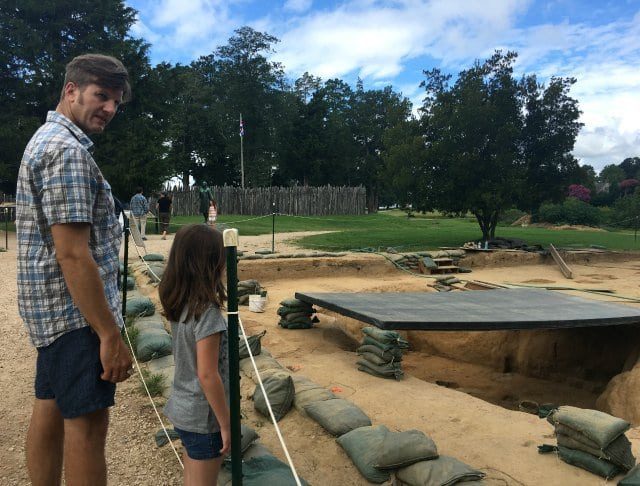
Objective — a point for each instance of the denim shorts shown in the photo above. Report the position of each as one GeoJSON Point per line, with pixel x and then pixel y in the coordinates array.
{"type": "Point", "coordinates": [68, 371]}
{"type": "Point", "coordinates": [201, 446]}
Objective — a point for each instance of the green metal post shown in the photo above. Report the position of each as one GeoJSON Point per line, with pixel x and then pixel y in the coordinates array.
{"type": "Point", "coordinates": [125, 274]}
{"type": "Point", "coordinates": [231, 245]}
{"type": "Point", "coordinates": [273, 229]}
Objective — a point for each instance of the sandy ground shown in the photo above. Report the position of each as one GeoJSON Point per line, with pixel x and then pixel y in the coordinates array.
{"type": "Point", "coordinates": [500, 441]}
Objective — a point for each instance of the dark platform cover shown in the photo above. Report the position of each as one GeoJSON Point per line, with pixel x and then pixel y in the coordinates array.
{"type": "Point", "coordinates": [479, 310]}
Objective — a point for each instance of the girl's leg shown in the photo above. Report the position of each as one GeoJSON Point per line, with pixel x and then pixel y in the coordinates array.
{"type": "Point", "coordinates": [201, 472]}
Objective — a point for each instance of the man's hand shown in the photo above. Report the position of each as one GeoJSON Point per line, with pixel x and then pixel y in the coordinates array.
{"type": "Point", "coordinates": [115, 358]}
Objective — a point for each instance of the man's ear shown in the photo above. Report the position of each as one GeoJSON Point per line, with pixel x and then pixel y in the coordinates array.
{"type": "Point", "coordinates": [70, 91]}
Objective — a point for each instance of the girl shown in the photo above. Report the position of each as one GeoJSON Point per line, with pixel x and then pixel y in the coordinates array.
{"type": "Point", "coordinates": [192, 295]}
{"type": "Point", "coordinates": [213, 214]}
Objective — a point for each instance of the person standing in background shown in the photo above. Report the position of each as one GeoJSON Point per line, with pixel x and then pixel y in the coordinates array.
{"type": "Point", "coordinates": [139, 207]}
{"type": "Point", "coordinates": [205, 200]}
{"type": "Point", "coordinates": [68, 244]}
{"type": "Point", "coordinates": [163, 208]}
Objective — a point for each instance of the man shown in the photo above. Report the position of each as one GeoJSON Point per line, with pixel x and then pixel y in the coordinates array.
{"type": "Point", "coordinates": [205, 200]}
{"type": "Point", "coordinates": [139, 207]}
{"type": "Point", "coordinates": [68, 244]}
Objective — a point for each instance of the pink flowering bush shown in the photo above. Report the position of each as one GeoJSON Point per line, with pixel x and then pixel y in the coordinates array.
{"type": "Point", "coordinates": [579, 192]}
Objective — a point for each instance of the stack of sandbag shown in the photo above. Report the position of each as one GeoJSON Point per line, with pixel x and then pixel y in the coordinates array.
{"type": "Point", "coordinates": [152, 341]}
{"type": "Point", "coordinates": [591, 440]}
{"type": "Point", "coordinates": [247, 288]}
{"type": "Point", "coordinates": [296, 314]}
{"type": "Point", "coordinates": [381, 353]}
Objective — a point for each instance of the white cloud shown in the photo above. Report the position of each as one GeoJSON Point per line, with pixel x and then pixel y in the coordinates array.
{"type": "Point", "coordinates": [297, 6]}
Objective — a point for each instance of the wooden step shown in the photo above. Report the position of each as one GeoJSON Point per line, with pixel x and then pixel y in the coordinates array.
{"type": "Point", "coordinates": [445, 269]}
{"type": "Point", "coordinates": [443, 260]}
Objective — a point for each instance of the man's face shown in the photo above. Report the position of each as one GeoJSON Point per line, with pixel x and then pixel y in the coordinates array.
{"type": "Point", "coordinates": [92, 107]}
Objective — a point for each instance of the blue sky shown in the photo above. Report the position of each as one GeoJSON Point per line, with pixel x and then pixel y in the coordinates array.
{"type": "Point", "coordinates": [392, 42]}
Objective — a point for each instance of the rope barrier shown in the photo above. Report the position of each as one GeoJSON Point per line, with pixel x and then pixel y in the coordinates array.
{"type": "Point", "coordinates": [146, 264]}
{"type": "Point", "coordinates": [146, 388]}
{"type": "Point", "coordinates": [266, 397]}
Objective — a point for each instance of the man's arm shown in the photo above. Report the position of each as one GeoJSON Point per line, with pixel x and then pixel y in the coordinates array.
{"type": "Point", "coordinates": [85, 285]}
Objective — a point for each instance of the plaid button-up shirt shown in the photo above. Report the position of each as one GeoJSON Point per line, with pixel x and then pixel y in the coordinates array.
{"type": "Point", "coordinates": [58, 183]}
{"type": "Point", "coordinates": [139, 205]}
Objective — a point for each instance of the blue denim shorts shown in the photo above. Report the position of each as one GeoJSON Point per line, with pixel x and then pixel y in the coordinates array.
{"type": "Point", "coordinates": [201, 446]}
{"type": "Point", "coordinates": [68, 370]}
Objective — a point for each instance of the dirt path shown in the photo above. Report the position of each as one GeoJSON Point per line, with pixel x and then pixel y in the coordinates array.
{"type": "Point", "coordinates": [501, 442]}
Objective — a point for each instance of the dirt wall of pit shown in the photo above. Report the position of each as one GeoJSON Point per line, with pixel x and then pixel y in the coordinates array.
{"type": "Point", "coordinates": [602, 359]}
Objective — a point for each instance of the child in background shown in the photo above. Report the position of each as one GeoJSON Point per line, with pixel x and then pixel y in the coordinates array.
{"type": "Point", "coordinates": [192, 295]}
{"type": "Point", "coordinates": [213, 214]}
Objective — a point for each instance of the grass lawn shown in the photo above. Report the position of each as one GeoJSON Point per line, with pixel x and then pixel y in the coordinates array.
{"type": "Point", "coordinates": [422, 232]}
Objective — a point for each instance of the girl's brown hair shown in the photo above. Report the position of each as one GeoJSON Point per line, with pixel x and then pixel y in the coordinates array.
{"type": "Point", "coordinates": [193, 277]}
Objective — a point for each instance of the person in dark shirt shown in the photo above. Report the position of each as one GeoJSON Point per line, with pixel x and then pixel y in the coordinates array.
{"type": "Point", "coordinates": [163, 208]}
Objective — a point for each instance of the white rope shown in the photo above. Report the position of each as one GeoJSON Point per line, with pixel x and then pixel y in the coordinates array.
{"type": "Point", "coordinates": [146, 264]}
{"type": "Point", "coordinates": [266, 397]}
{"type": "Point", "coordinates": [126, 332]}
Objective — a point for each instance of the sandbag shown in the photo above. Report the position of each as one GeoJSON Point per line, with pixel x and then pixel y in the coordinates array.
{"type": "Point", "coordinates": [618, 452]}
{"type": "Point", "coordinates": [153, 257]}
{"type": "Point", "coordinates": [632, 478]}
{"type": "Point", "coordinates": [386, 337]}
{"type": "Point", "coordinates": [369, 341]}
{"type": "Point", "coordinates": [374, 359]}
{"type": "Point", "coordinates": [337, 416]}
{"type": "Point", "coordinates": [255, 450]}
{"type": "Point", "coordinates": [255, 345]}
{"type": "Point", "coordinates": [401, 449]}
{"type": "Point", "coordinates": [151, 322]}
{"type": "Point", "coordinates": [140, 307]}
{"type": "Point", "coordinates": [267, 470]}
{"type": "Point", "coordinates": [280, 392]}
{"type": "Point", "coordinates": [390, 370]}
{"type": "Point", "coordinates": [588, 462]}
{"type": "Point", "coordinates": [293, 302]}
{"type": "Point", "coordinates": [392, 354]}
{"type": "Point", "coordinates": [266, 364]}
{"type": "Point", "coordinates": [308, 392]}
{"type": "Point", "coordinates": [363, 445]}
{"type": "Point", "coordinates": [152, 343]}
{"type": "Point", "coordinates": [600, 427]}
{"type": "Point", "coordinates": [443, 471]}
{"type": "Point", "coordinates": [155, 271]}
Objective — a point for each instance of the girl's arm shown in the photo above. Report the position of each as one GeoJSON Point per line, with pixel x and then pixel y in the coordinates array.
{"type": "Point", "coordinates": [207, 351]}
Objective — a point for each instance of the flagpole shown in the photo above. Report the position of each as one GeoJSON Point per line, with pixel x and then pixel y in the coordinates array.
{"type": "Point", "coordinates": [241, 153]}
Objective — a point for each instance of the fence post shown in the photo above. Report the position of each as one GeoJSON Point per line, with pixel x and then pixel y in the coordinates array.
{"type": "Point", "coordinates": [273, 229]}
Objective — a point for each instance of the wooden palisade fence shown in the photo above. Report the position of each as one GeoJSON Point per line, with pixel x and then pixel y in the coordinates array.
{"type": "Point", "coordinates": [297, 200]}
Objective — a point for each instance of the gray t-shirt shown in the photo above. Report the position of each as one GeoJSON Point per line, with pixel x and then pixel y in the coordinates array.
{"type": "Point", "coordinates": [188, 408]}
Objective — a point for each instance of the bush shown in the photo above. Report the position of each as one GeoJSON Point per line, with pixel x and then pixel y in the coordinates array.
{"type": "Point", "coordinates": [571, 211]}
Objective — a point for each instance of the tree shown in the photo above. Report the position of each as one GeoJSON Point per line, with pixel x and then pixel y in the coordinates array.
{"type": "Point", "coordinates": [37, 40]}
{"type": "Point", "coordinates": [579, 192]}
{"type": "Point", "coordinates": [472, 132]}
{"type": "Point", "coordinates": [631, 167]}
{"type": "Point", "coordinates": [548, 136]}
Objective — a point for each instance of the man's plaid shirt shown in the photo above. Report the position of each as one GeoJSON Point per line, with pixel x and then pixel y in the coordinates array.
{"type": "Point", "coordinates": [58, 183]}
{"type": "Point", "coordinates": [138, 205]}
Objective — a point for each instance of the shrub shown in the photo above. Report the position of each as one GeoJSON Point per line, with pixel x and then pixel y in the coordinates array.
{"type": "Point", "coordinates": [579, 192]}
{"type": "Point", "coordinates": [571, 211]}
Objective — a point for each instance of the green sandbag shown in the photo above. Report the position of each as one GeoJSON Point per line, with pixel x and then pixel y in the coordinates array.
{"type": "Point", "coordinates": [121, 268]}
{"type": "Point", "coordinates": [363, 446]}
{"type": "Point", "coordinates": [308, 392]}
{"type": "Point", "coordinates": [588, 462]}
{"type": "Point", "coordinates": [337, 416]}
{"type": "Point", "coordinates": [152, 343]}
{"type": "Point", "coordinates": [393, 354]}
{"type": "Point", "coordinates": [155, 271]}
{"type": "Point", "coordinates": [267, 470]}
{"type": "Point", "coordinates": [299, 324]}
{"type": "Point", "coordinates": [369, 341]}
{"type": "Point", "coordinates": [600, 427]}
{"type": "Point", "coordinates": [443, 471]}
{"type": "Point", "coordinates": [292, 317]}
{"type": "Point", "coordinates": [285, 310]}
{"type": "Point", "coordinates": [153, 322]}
{"type": "Point", "coordinates": [153, 257]}
{"type": "Point", "coordinates": [251, 284]}
{"type": "Point", "coordinates": [618, 452]}
{"type": "Point", "coordinates": [140, 307]}
{"type": "Point", "coordinates": [131, 283]}
{"type": "Point", "coordinates": [267, 365]}
{"type": "Point", "coordinates": [294, 303]}
{"type": "Point", "coordinates": [280, 391]}
{"type": "Point", "coordinates": [390, 370]}
{"type": "Point", "coordinates": [401, 449]}
{"type": "Point", "coordinates": [374, 359]}
{"type": "Point", "coordinates": [632, 478]}
{"type": "Point", "coordinates": [386, 337]}
{"type": "Point", "coordinates": [255, 345]}
{"type": "Point", "coordinates": [248, 437]}
{"type": "Point", "coordinates": [161, 437]}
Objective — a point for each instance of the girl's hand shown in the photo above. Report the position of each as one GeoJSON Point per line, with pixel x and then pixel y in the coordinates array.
{"type": "Point", "coordinates": [226, 441]}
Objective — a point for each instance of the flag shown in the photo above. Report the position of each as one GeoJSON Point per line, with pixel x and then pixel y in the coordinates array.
{"type": "Point", "coordinates": [241, 128]}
